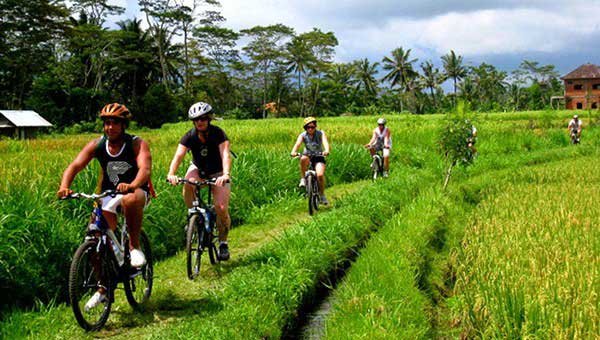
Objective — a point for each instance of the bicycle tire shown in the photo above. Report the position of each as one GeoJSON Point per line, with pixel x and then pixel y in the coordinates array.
{"type": "Point", "coordinates": [316, 196]}
{"type": "Point", "coordinates": [375, 167]}
{"type": "Point", "coordinates": [140, 278]}
{"type": "Point", "coordinates": [310, 194]}
{"type": "Point", "coordinates": [80, 274]}
{"type": "Point", "coordinates": [193, 246]}
{"type": "Point", "coordinates": [213, 252]}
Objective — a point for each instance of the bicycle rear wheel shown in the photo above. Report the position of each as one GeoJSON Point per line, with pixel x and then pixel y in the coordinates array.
{"type": "Point", "coordinates": [138, 286]}
{"type": "Point", "coordinates": [195, 231]}
{"type": "Point", "coordinates": [213, 252]}
{"type": "Point", "coordinates": [87, 270]}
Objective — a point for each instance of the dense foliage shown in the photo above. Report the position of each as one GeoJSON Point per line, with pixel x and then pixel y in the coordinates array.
{"type": "Point", "coordinates": [73, 60]}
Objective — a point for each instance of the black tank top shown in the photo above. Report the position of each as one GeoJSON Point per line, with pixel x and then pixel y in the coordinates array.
{"type": "Point", "coordinates": [119, 168]}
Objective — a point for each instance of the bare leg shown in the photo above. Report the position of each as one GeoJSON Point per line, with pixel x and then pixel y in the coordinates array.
{"type": "Point", "coordinates": [320, 169]}
{"type": "Point", "coordinates": [221, 197]}
{"type": "Point", "coordinates": [189, 191]}
{"type": "Point", "coordinates": [304, 162]}
{"type": "Point", "coordinates": [133, 209]}
{"type": "Point", "coordinates": [386, 163]}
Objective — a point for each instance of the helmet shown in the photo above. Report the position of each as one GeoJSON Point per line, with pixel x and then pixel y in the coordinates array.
{"type": "Point", "coordinates": [199, 109]}
{"type": "Point", "coordinates": [115, 110]}
{"type": "Point", "coordinates": [381, 121]}
{"type": "Point", "coordinates": [309, 120]}
{"type": "Point", "coordinates": [575, 116]}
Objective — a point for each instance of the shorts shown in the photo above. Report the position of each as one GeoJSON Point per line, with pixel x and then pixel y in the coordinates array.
{"type": "Point", "coordinates": [314, 160]}
{"type": "Point", "coordinates": [193, 168]}
{"type": "Point", "coordinates": [112, 204]}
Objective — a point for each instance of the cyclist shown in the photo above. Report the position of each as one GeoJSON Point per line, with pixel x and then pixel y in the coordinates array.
{"type": "Point", "coordinates": [209, 146]}
{"type": "Point", "coordinates": [472, 137]}
{"type": "Point", "coordinates": [381, 141]}
{"type": "Point", "coordinates": [316, 147]}
{"type": "Point", "coordinates": [126, 167]}
{"type": "Point", "coordinates": [575, 127]}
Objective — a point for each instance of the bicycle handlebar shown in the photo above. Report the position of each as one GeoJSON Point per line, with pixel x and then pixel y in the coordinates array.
{"type": "Point", "coordinates": [199, 183]}
{"type": "Point", "coordinates": [78, 195]}
{"type": "Point", "coordinates": [298, 154]}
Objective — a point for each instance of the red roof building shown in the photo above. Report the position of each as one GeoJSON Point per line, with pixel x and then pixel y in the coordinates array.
{"type": "Point", "coordinates": [582, 88]}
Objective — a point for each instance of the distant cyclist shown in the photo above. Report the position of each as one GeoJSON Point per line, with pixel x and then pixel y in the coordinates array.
{"type": "Point", "coordinates": [472, 137]}
{"type": "Point", "coordinates": [126, 165]}
{"type": "Point", "coordinates": [211, 158]}
{"type": "Point", "coordinates": [316, 147]}
{"type": "Point", "coordinates": [574, 128]}
{"type": "Point", "coordinates": [381, 141]}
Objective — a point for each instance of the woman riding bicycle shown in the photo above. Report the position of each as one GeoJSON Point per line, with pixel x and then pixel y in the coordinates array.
{"type": "Point", "coordinates": [316, 147]}
{"type": "Point", "coordinates": [381, 141]}
{"type": "Point", "coordinates": [209, 146]}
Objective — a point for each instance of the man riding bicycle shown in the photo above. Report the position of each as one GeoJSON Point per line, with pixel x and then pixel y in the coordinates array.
{"type": "Point", "coordinates": [575, 126]}
{"type": "Point", "coordinates": [381, 141]}
{"type": "Point", "coordinates": [209, 146]}
{"type": "Point", "coordinates": [126, 167]}
{"type": "Point", "coordinates": [316, 147]}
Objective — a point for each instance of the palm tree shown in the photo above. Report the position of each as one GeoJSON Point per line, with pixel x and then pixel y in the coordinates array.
{"type": "Point", "coordinates": [400, 69]}
{"type": "Point", "coordinates": [454, 68]}
{"type": "Point", "coordinates": [431, 78]}
{"type": "Point", "coordinates": [299, 60]}
{"type": "Point", "coordinates": [365, 75]}
{"type": "Point", "coordinates": [343, 75]}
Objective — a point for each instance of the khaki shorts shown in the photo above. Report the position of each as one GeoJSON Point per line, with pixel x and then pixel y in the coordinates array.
{"type": "Point", "coordinates": [193, 168]}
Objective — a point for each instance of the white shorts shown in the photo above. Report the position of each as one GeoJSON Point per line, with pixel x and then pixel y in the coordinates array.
{"type": "Point", "coordinates": [386, 152]}
{"type": "Point", "coordinates": [112, 204]}
{"type": "Point", "coordinates": [193, 168]}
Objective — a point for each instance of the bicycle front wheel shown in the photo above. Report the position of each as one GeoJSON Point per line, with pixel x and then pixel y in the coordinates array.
{"type": "Point", "coordinates": [193, 246]}
{"type": "Point", "coordinates": [138, 286]}
{"type": "Point", "coordinates": [88, 272]}
{"type": "Point", "coordinates": [310, 194]}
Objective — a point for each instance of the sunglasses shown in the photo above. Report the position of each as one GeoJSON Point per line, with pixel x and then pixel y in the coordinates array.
{"type": "Point", "coordinates": [310, 127]}
{"type": "Point", "coordinates": [201, 118]}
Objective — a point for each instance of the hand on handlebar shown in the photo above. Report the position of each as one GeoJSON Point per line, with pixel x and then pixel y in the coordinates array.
{"type": "Point", "coordinates": [125, 188]}
{"type": "Point", "coordinates": [325, 153]}
{"type": "Point", "coordinates": [172, 179]}
{"type": "Point", "coordinates": [222, 180]}
{"type": "Point", "coordinates": [63, 192]}
{"type": "Point", "coordinates": [294, 154]}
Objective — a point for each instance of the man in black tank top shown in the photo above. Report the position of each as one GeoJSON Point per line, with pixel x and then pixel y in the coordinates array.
{"type": "Point", "coordinates": [126, 165]}
{"type": "Point", "coordinates": [211, 158]}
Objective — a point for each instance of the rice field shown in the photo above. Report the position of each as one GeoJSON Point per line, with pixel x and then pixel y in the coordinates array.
{"type": "Point", "coordinates": [510, 250]}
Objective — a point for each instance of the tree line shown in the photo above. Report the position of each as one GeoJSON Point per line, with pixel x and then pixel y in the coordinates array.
{"type": "Point", "coordinates": [64, 61]}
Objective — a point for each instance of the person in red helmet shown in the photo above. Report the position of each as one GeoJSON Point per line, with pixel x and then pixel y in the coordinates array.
{"type": "Point", "coordinates": [126, 167]}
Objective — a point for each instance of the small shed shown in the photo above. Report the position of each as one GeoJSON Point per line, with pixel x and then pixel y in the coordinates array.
{"type": "Point", "coordinates": [21, 123]}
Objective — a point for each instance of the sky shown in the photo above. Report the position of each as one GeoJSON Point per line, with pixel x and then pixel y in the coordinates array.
{"type": "Point", "coordinates": [503, 33]}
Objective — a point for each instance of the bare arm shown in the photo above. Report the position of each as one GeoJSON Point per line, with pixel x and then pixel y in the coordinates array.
{"type": "Point", "coordinates": [372, 141]}
{"type": "Point", "coordinates": [175, 162]}
{"type": "Point", "coordinates": [297, 145]}
{"type": "Point", "coordinates": [144, 163]}
{"type": "Point", "coordinates": [387, 138]}
{"type": "Point", "coordinates": [325, 144]}
{"type": "Point", "coordinates": [79, 163]}
{"type": "Point", "coordinates": [226, 162]}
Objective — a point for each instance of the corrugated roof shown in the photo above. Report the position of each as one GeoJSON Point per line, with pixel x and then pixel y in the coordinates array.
{"type": "Point", "coordinates": [585, 71]}
{"type": "Point", "coordinates": [25, 118]}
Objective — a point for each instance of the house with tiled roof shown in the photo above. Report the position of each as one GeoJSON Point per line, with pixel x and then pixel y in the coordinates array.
{"type": "Point", "coordinates": [582, 88]}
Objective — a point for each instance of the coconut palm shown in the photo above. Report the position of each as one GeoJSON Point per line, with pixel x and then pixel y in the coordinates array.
{"type": "Point", "coordinates": [453, 65]}
{"type": "Point", "coordinates": [400, 69]}
{"type": "Point", "coordinates": [431, 78]}
{"type": "Point", "coordinates": [365, 76]}
{"type": "Point", "coordinates": [299, 60]}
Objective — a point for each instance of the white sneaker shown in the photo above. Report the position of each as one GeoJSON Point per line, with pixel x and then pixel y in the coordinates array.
{"type": "Point", "coordinates": [302, 182]}
{"type": "Point", "coordinates": [94, 301]}
{"type": "Point", "coordinates": [137, 258]}
{"type": "Point", "coordinates": [385, 174]}
{"type": "Point", "coordinates": [324, 200]}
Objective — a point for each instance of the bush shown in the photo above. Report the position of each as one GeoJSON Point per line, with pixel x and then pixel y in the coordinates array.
{"type": "Point", "coordinates": [158, 108]}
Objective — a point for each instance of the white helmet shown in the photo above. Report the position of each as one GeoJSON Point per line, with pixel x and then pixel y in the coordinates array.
{"type": "Point", "coordinates": [199, 109]}
{"type": "Point", "coordinates": [575, 116]}
{"type": "Point", "coordinates": [381, 121]}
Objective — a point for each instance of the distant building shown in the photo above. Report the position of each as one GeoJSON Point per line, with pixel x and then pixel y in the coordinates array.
{"type": "Point", "coordinates": [21, 124]}
{"type": "Point", "coordinates": [582, 88]}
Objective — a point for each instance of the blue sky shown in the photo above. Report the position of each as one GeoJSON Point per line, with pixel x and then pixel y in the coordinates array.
{"type": "Point", "coordinates": [563, 33]}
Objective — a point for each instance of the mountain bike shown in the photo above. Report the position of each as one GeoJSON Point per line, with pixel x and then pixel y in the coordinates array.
{"type": "Point", "coordinates": [200, 236]}
{"type": "Point", "coordinates": [103, 261]}
{"type": "Point", "coordinates": [575, 139]}
{"type": "Point", "coordinates": [377, 164]}
{"type": "Point", "coordinates": [312, 186]}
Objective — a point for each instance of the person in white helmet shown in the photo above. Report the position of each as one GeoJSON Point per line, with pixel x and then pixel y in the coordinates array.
{"type": "Point", "coordinates": [575, 126]}
{"type": "Point", "coordinates": [381, 141]}
{"type": "Point", "coordinates": [211, 158]}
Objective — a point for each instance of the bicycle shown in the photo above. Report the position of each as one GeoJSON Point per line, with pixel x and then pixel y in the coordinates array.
{"type": "Point", "coordinates": [102, 261]}
{"type": "Point", "coordinates": [200, 229]}
{"type": "Point", "coordinates": [377, 164]}
{"type": "Point", "coordinates": [575, 139]}
{"type": "Point", "coordinates": [312, 186]}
